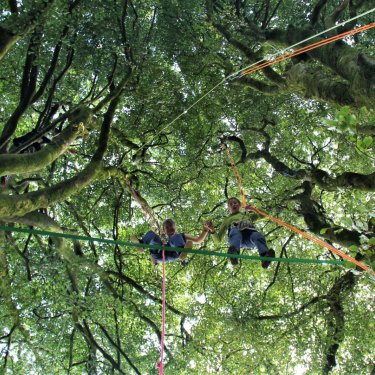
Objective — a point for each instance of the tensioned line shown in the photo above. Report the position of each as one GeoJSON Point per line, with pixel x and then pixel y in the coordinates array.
{"type": "Point", "coordinates": [166, 248]}
{"type": "Point", "coordinates": [269, 58]}
{"type": "Point", "coordinates": [284, 50]}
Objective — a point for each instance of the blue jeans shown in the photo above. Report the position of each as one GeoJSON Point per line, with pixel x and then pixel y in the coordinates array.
{"type": "Point", "coordinates": [152, 238]}
{"type": "Point", "coordinates": [248, 239]}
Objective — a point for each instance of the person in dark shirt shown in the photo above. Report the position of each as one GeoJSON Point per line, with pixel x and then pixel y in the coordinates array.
{"type": "Point", "coordinates": [171, 238]}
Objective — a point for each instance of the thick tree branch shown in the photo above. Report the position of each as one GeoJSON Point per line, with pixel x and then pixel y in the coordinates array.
{"type": "Point", "coordinates": [22, 204]}
{"type": "Point", "coordinates": [12, 164]}
{"type": "Point", "coordinates": [27, 89]}
{"type": "Point", "coordinates": [114, 344]}
{"type": "Point", "coordinates": [253, 57]}
{"type": "Point", "coordinates": [317, 223]}
{"type": "Point", "coordinates": [22, 24]}
{"type": "Point", "coordinates": [336, 319]}
{"type": "Point", "coordinates": [320, 84]}
{"type": "Point", "coordinates": [344, 60]}
{"type": "Point", "coordinates": [316, 11]}
{"type": "Point", "coordinates": [316, 176]}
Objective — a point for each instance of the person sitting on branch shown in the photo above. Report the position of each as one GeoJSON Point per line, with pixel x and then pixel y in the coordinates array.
{"type": "Point", "coordinates": [171, 238]}
{"type": "Point", "coordinates": [241, 232]}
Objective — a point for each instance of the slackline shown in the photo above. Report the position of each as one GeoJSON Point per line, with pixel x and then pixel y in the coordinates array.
{"type": "Point", "coordinates": [167, 248]}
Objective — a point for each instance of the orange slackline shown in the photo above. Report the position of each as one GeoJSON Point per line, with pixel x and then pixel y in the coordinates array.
{"type": "Point", "coordinates": [289, 226]}
{"type": "Point", "coordinates": [305, 49]}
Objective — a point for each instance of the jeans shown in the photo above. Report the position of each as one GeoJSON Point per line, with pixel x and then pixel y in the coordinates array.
{"type": "Point", "coordinates": [248, 239]}
{"type": "Point", "coordinates": [151, 238]}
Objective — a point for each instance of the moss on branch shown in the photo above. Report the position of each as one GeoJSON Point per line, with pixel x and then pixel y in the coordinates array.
{"type": "Point", "coordinates": [11, 164]}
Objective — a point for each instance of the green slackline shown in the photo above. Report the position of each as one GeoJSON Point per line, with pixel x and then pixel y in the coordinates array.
{"type": "Point", "coordinates": [167, 248]}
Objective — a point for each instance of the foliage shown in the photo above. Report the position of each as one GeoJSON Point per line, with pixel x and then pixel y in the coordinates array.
{"type": "Point", "coordinates": [120, 78]}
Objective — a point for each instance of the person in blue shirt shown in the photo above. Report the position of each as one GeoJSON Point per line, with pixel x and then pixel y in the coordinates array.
{"type": "Point", "coordinates": [171, 238]}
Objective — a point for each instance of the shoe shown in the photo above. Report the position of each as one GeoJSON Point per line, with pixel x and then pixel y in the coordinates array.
{"type": "Point", "coordinates": [271, 254]}
{"type": "Point", "coordinates": [137, 240]}
{"type": "Point", "coordinates": [232, 250]}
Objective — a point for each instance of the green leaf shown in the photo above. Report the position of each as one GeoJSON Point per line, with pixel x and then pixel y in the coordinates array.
{"type": "Point", "coordinates": [330, 122]}
{"type": "Point", "coordinates": [348, 264]}
{"type": "Point", "coordinates": [367, 142]}
{"type": "Point", "coordinates": [353, 248]}
{"type": "Point", "coordinates": [347, 221]}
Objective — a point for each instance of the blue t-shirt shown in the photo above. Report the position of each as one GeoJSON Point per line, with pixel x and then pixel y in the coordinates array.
{"type": "Point", "coordinates": [177, 240]}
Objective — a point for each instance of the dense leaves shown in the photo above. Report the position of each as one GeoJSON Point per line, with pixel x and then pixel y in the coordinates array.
{"type": "Point", "coordinates": [97, 101]}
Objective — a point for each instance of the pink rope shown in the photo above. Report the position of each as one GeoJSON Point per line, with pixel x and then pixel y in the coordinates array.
{"type": "Point", "coordinates": [161, 362]}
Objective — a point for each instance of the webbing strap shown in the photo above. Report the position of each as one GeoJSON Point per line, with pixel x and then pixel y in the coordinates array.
{"type": "Point", "coordinates": [166, 248]}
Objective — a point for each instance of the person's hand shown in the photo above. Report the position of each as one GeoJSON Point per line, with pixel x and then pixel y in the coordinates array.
{"type": "Point", "coordinates": [209, 226]}
{"type": "Point", "coordinates": [164, 238]}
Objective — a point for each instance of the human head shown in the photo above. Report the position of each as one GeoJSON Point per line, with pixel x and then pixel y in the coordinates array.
{"type": "Point", "coordinates": [169, 227]}
{"type": "Point", "coordinates": [234, 205]}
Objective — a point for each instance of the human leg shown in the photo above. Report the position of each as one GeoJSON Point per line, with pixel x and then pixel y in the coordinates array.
{"type": "Point", "coordinates": [259, 241]}
{"type": "Point", "coordinates": [235, 238]}
{"type": "Point", "coordinates": [151, 238]}
{"type": "Point", "coordinates": [183, 255]}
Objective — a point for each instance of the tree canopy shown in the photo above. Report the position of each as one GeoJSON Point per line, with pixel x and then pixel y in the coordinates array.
{"type": "Point", "coordinates": [102, 109]}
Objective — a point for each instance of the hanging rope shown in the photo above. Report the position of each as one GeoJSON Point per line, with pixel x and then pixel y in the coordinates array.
{"type": "Point", "coordinates": [291, 227]}
{"type": "Point", "coordinates": [236, 173]}
{"type": "Point", "coordinates": [163, 314]}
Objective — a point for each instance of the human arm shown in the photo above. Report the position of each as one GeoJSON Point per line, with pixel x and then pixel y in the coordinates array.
{"type": "Point", "coordinates": [237, 217]}
{"type": "Point", "coordinates": [252, 211]}
{"type": "Point", "coordinates": [207, 227]}
{"type": "Point", "coordinates": [218, 235]}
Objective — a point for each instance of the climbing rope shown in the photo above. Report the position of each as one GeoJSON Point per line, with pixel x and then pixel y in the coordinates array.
{"type": "Point", "coordinates": [311, 238]}
{"type": "Point", "coordinates": [163, 315]}
{"type": "Point", "coordinates": [284, 50]}
{"type": "Point", "coordinates": [273, 59]}
{"type": "Point", "coordinates": [289, 226]}
{"type": "Point", "coordinates": [167, 248]}
{"type": "Point", "coordinates": [236, 173]}
{"type": "Point", "coordinates": [299, 51]}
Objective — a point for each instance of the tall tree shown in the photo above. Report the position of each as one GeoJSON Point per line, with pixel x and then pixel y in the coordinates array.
{"type": "Point", "coordinates": [103, 126]}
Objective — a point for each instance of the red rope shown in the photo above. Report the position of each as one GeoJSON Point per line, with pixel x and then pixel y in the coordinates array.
{"type": "Point", "coordinates": [161, 361]}
{"type": "Point", "coordinates": [307, 48]}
